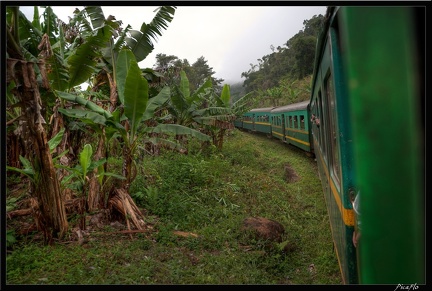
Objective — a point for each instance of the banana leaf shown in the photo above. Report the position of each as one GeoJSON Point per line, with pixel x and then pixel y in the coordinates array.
{"type": "Point", "coordinates": [180, 130]}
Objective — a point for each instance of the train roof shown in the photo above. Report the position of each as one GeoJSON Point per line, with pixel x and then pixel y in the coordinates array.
{"type": "Point", "coordinates": [265, 109]}
{"type": "Point", "coordinates": [292, 107]}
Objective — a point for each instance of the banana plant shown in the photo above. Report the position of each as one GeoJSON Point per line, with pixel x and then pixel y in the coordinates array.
{"type": "Point", "coordinates": [218, 117]}
{"type": "Point", "coordinates": [78, 179]}
{"type": "Point", "coordinates": [138, 107]}
{"type": "Point", "coordinates": [184, 104]}
{"type": "Point", "coordinates": [26, 69]}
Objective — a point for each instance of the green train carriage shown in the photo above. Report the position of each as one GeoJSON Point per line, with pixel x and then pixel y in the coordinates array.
{"type": "Point", "coordinates": [257, 119]}
{"type": "Point", "coordinates": [368, 137]}
{"type": "Point", "coordinates": [291, 124]}
{"type": "Point", "coordinates": [248, 121]}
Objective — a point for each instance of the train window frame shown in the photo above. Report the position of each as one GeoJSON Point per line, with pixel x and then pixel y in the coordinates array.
{"type": "Point", "coordinates": [320, 116]}
{"type": "Point", "coordinates": [302, 122]}
{"type": "Point", "coordinates": [334, 149]}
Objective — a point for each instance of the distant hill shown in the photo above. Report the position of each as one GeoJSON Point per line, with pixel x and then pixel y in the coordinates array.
{"type": "Point", "coordinates": [237, 90]}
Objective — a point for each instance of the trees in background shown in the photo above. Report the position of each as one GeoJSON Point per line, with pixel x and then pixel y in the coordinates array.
{"type": "Point", "coordinates": [197, 73]}
{"type": "Point", "coordinates": [293, 61]}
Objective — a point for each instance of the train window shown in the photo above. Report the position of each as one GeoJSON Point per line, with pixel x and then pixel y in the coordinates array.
{"type": "Point", "coordinates": [320, 116]}
{"type": "Point", "coordinates": [290, 121]}
{"type": "Point", "coordinates": [302, 122]}
{"type": "Point", "coordinates": [335, 161]}
{"type": "Point", "coordinates": [295, 125]}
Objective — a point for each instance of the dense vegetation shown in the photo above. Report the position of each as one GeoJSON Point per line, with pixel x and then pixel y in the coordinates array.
{"type": "Point", "coordinates": [194, 207]}
{"type": "Point", "coordinates": [73, 153]}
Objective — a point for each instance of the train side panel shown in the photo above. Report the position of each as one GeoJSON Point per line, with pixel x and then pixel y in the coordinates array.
{"type": "Point", "coordinates": [278, 125]}
{"type": "Point", "coordinates": [291, 124]}
{"type": "Point", "coordinates": [238, 122]}
{"type": "Point", "coordinates": [331, 135]}
{"type": "Point", "coordinates": [261, 118]}
{"type": "Point", "coordinates": [384, 64]}
{"type": "Point", "coordinates": [248, 121]}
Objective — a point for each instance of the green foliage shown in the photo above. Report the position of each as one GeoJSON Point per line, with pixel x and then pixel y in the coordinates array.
{"type": "Point", "coordinates": [27, 170]}
{"type": "Point", "coordinates": [208, 196]}
{"type": "Point", "coordinates": [11, 203]}
{"type": "Point", "coordinates": [78, 177]}
{"type": "Point", "coordinates": [294, 60]}
{"type": "Point", "coordinates": [83, 62]}
{"type": "Point", "coordinates": [10, 238]}
{"type": "Point", "coordinates": [140, 41]}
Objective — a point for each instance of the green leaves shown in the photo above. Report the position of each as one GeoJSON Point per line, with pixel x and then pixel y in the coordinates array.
{"type": "Point", "coordinates": [156, 102]}
{"type": "Point", "coordinates": [54, 142]}
{"type": "Point", "coordinates": [133, 90]}
{"type": "Point", "coordinates": [225, 95]}
{"type": "Point", "coordinates": [83, 61]}
{"type": "Point", "coordinates": [27, 168]}
{"type": "Point", "coordinates": [180, 130]}
{"type": "Point", "coordinates": [140, 41]}
{"type": "Point", "coordinates": [77, 179]}
{"type": "Point", "coordinates": [96, 16]}
{"type": "Point", "coordinates": [124, 60]}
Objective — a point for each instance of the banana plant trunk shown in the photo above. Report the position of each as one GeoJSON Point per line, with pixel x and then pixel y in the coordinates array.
{"type": "Point", "coordinates": [95, 199]}
{"type": "Point", "coordinates": [51, 213]}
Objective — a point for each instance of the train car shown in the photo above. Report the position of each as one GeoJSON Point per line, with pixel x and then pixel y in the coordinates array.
{"type": "Point", "coordinates": [248, 121]}
{"type": "Point", "coordinates": [291, 124]}
{"type": "Point", "coordinates": [368, 138]}
{"type": "Point", "coordinates": [238, 122]}
{"type": "Point", "coordinates": [257, 119]}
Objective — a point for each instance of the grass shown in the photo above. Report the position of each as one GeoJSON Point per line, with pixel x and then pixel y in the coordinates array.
{"type": "Point", "coordinates": [208, 195]}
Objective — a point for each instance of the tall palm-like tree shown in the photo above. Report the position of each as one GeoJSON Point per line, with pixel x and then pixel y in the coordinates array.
{"type": "Point", "coordinates": [22, 74]}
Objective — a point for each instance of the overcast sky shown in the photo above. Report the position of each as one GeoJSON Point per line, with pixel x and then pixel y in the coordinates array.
{"type": "Point", "coordinates": [230, 38]}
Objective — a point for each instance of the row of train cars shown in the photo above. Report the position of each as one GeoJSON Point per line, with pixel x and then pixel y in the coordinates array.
{"type": "Point", "coordinates": [364, 124]}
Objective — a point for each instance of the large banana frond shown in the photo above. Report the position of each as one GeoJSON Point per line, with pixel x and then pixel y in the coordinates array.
{"type": "Point", "coordinates": [184, 85]}
{"type": "Point", "coordinates": [58, 73]}
{"type": "Point", "coordinates": [84, 102]}
{"type": "Point", "coordinates": [201, 91]}
{"type": "Point", "coordinates": [84, 114]}
{"type": "Point", "coordinates": [226, 95]}
{"type": "Point", "coordinates": [180, 130]}
{"type": "Point", "coordinates": [83, 62]}
{"type": "Point", "coordinates": [134, 89]}
{"type": "Point", "coordinates": [178, 100]}
{"type": "Point", "coordinates": [49, 26]}
{"type": "Point", "coordinates": [141, 42]}
{"type": "Point", "coordinates": [124, 60]}
{"type": "Point", "coordinates": [156, 102]}
{"type": "Point", "coordinates": [96, 15]}
{"type": "Point", "coordinates": [35, 21]}
{"type": "Point", "coordinates": [240, 106]}
{"type": "Point", "coordinates": [220, 117]}
{"type": "Point", "coordinates": [29, 35]}
{"type": "Point", "coordinates": [136, 97]}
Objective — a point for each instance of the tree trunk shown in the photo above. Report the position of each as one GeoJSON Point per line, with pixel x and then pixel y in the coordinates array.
{"type": "Point", "coordinates": [52, 218]}
{"type": "Point", "coordinates": [95, 198]}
